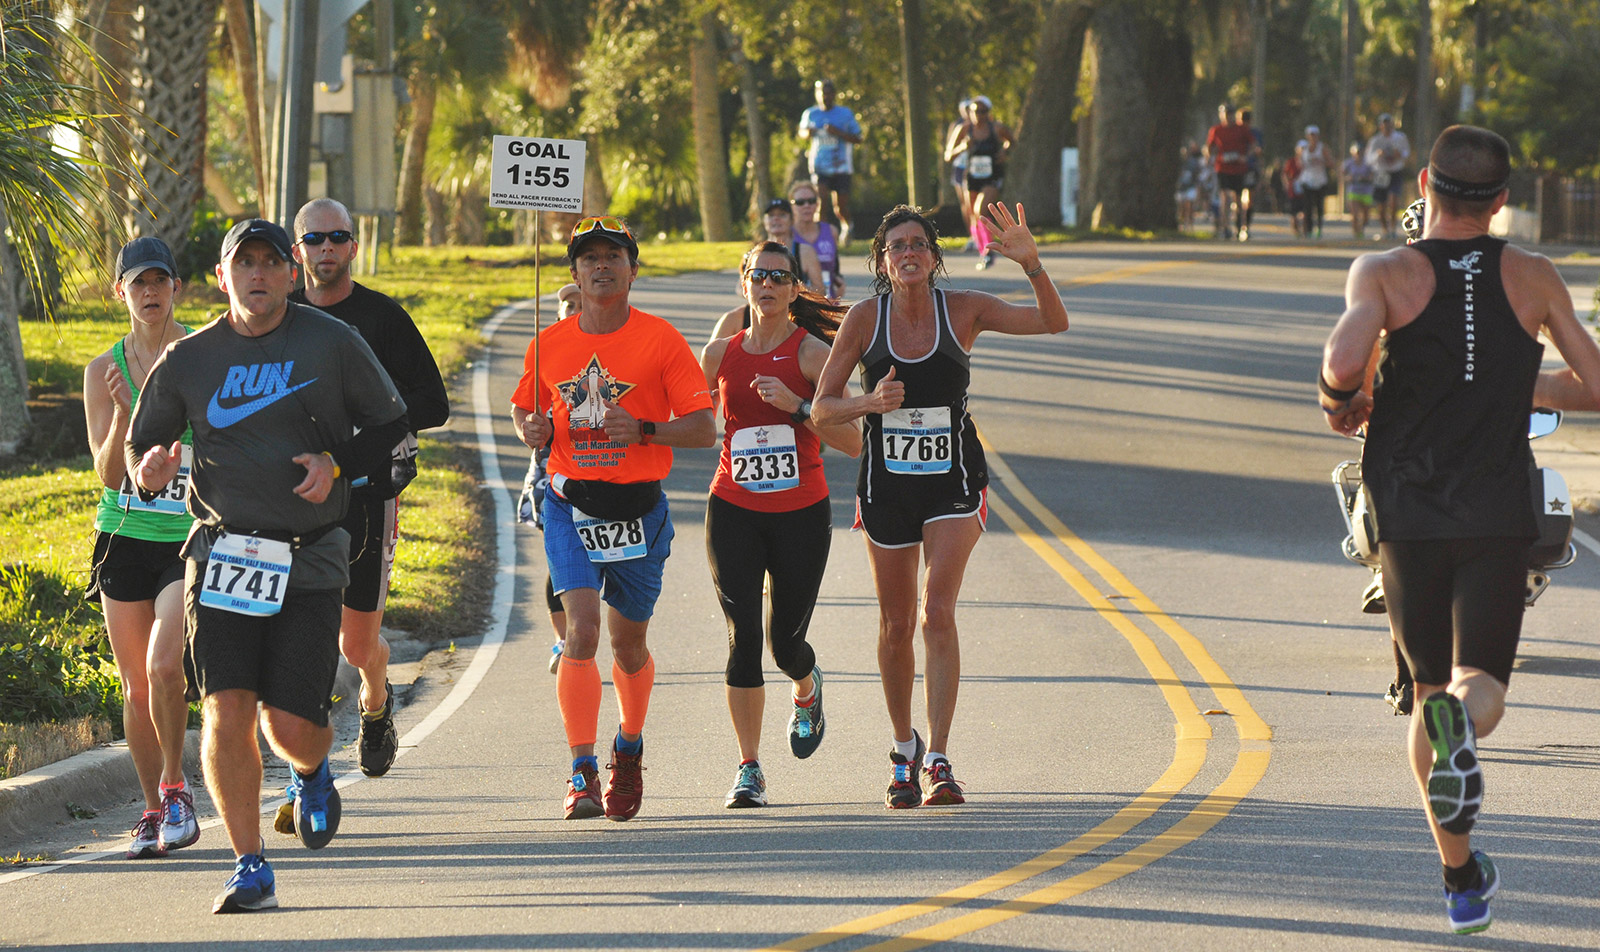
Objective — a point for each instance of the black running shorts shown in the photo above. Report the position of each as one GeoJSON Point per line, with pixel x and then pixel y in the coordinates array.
{"type": "Point", "coordinates": [289, 659]}
{"type": "Point", "coordinates": [125, 569]}
{"type": "Point", "coordinates": [374, 527]}
{"type": "Point", "coordinates": [898, 524]}
{"type": "Point", "coordinates": [1456, 602]}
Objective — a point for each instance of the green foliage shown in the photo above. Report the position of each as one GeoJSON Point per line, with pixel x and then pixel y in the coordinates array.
{"type": "Point", "coordinates": [54, 661]}
{"type": "Point", "coordinates": [1542, 91]}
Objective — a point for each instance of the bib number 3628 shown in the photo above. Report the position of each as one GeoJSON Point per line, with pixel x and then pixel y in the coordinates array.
{"type": "Point", "coordinates": [247, 575]}
{"type": "Point", "coordinates": [610, 541]}
{"type": "Point", "coordinates": [916, 440]}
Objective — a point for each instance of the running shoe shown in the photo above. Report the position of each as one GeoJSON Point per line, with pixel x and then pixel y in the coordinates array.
{"type": "Point", "coordinates": [806, 724]}
{"type": "Point", "coordinates": [1244, 233]}
{"type": "Point", "coordinates": [583, 794]}
{"type": "Point", "coordinates": [379, 740]}
{"type": "Point", "coordinates": [556, 651]}
{"type": "Point", "coordinates": [1372, 601]}
{"type": "Point", "coordinates": [749, 788]}
{"type": "Point", "coordinates": [251, 887]}
{"type": "Point", "coordinates": [147, 837]}
{"type": "Point", "coordinates": [179, 828]}
{"type": "Point", "coordinates": [1469, 909]}
{"type": "Point", "coordinates": [626, 787]}
{"type": "Point", "coordinates": [316, 806]}
{"type": "Point", "coordinates": [1401, 698]}
{"type": "Point", "coordinates": [905, 786]}
{"type": "Point", "coordinates": [986, 261]}
{"type": "Point", "coordinates": [941, 789]}
{"type": "Point", "coordinates": [1455, 782]}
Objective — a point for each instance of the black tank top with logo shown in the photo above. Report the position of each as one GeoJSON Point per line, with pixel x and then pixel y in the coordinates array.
{"type": "Point", "coordinates": [1447, 452]}
{"type": "Point", "coordinates": [928, 449]}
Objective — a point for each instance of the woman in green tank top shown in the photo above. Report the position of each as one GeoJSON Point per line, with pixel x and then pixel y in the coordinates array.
{"type": "Point", "coordinates": [137, 570]}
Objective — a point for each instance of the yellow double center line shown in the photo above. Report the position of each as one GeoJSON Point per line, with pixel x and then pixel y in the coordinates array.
{"type": "Point", "coordinates": [1193, 733]}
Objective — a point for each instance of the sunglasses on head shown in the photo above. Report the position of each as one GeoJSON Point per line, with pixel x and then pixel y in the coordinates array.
{"type": "Point", "coordinates": [605, 223]}
{"type": "Point", "coordinates": [779, 276]}
{"type": "Point", "coordinates": [314, 238]}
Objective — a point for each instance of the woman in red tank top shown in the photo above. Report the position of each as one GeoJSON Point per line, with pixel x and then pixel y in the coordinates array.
{"type": "Point", "coordinates": [768, 514]}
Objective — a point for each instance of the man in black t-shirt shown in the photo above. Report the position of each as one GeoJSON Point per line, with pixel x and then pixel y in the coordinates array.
{"type": "Point", "coordinates": [1446, 465]}
{"type": "Point", "coordinates": [325, 245]}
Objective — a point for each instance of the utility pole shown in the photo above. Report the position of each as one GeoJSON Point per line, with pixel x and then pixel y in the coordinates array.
{"type": "Point", "coordinates": [919, 174]}
{"type": "Point", "coordinates": [1422, 135]}
{"type": "Point", "coordinates": [1259, 12]}
{"type": "Point", "coordinates": [1347, 78]}
{"type": "Point", "coordinates": [295, 81]}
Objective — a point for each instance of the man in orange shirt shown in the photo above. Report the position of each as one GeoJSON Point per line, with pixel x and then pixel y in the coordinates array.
{"type": "Point", "coordinates": [621, 387]}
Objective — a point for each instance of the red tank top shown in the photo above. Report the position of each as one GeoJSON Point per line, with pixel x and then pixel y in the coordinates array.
{"type": "Point", "coordinates": [769, 463]}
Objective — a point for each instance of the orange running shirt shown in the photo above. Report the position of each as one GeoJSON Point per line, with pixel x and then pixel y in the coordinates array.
{"type": "Point", "coordinates": [645, 367]}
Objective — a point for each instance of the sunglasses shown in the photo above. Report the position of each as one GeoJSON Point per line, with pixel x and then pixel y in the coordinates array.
{"type": "Point", "coordinates": [806, 201]}
{"type": "Point", "coordinates": [606, 223]}
{"type": "Point", "coordinates": [314, 238]}
{"type": "Point", "coordinates": [778, 276]}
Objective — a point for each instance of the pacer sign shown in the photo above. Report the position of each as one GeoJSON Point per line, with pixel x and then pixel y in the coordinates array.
{"type": "Point", "coordinates": [543, 174]}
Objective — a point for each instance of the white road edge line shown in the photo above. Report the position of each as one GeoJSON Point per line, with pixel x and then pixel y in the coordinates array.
{"type": "Point", "coordinates": [499, 608]}
{"type": "Point", "coordinates": [1586, 540]}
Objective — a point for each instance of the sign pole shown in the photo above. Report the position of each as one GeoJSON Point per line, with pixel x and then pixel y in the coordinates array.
{"type": "Point", "coordinates": [538, 293]}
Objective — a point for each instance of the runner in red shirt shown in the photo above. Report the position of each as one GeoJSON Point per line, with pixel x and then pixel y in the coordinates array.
{"type": "Point", "coordinates": [1228, 146]}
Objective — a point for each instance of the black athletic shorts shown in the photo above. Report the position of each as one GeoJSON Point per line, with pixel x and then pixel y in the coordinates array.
{"type": "Point", "coordinates": [374, 527]}
{"type": "Point", "coordinates": [125, 569]}
{"type": "Point", "coordinates": [898, 524]}
{"type": "Point", "coordinates": [289, 659]}
{"type": "Point", "coordinates": [1456, 602]}
{"type": "Point", "coordinates": [979, 184]}
{"type": "Point", "coordinates": [1227, 182]}
{"type": "Point", "coordinates": [836, 181]}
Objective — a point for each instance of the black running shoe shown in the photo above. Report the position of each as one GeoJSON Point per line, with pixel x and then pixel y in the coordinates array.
{"type": "Point", "coordinates": [905, 784]}
{"type": "Point", "coordinates": [941, 785]}
{"type": "Point", "coordinates": [379, 741]}
{"type": "Point", "coordinates": [1455, 781]}
{"type": "Point", "coordinates": [1401, 698]}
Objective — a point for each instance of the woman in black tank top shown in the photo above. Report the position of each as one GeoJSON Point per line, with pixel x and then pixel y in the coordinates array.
{"type": "Point", "coordinates": [920, 497]}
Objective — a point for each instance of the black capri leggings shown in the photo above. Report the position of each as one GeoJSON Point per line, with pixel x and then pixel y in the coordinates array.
{"type": "Point", "coordinates": [1456, 602]}
{"type": "Point", "coordinates": [746, 546]}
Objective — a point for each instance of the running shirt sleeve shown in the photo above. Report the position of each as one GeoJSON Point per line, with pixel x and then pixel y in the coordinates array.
{"type": "Point", "coordinates": [159, 415]}
{"type": "Point", "coordinates": [370, 395]}
{"type": "Point", "coordinates": [681, 373]}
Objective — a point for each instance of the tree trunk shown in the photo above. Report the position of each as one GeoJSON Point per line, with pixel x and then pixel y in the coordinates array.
{"type": "Point", "coordinates": [242, 39]}
{"type": "Point", "coordinates": [13, 369]}
{"type": "Point", "coordinates": [760, 168]}
{"type": "Point", "coordinates": [914, 85]}
{"type": "Point", "coordinates": [716, 217]}
{"type": "Point", "coordinates": [1033, 170]}
{"type": "Point", "coordinates": [1422, 135]}
{"type": "Point", "coordinates": [596, 196]}
{"type": "Point", "coordinates": [1144, 71]}
{"type": "Point", "coordinates": [408, 220]}
{"type": "Point", "coordinates": [170, 39]}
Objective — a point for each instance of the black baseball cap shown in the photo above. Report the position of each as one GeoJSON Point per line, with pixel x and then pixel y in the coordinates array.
{"type": "Point", "coordinates": [142, 254]}
{"type": "Point", "coordinates": [609, 227]}
{"type": "Point", "coordinates": [778, 205]}
{"type": "Point", "coordinates": [257, 229]}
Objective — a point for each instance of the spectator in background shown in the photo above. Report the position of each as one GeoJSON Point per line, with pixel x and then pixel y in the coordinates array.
{"type": "Point", "coordinates": [1357, 176]}
{"type": "Point", "coordinates": [1389, 153]}
{"type": "Point", "coordinates": [833, 133]}
{"type": "Point", "coordinates": [1188, 194]}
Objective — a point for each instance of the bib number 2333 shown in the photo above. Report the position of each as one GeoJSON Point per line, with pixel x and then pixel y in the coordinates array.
{"type": "Point", "coordinates": [610, 541]}
{"type": "Point", "coordinates": [247, 575]}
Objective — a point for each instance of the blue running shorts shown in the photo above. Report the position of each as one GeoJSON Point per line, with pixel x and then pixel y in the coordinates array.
{"type": "Point", "coordinates": [631, 586]}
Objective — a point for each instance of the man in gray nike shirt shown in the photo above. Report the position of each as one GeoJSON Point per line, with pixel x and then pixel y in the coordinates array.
{"type": "Point", "coordinates": [274, 393]}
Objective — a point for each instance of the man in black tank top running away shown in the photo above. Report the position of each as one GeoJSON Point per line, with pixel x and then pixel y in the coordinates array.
{"type": "Point", "coordinates": [1453, 323]}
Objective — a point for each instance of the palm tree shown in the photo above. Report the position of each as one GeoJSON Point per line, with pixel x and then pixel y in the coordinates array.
{"type": "Point", "coordinates": [49, 178]}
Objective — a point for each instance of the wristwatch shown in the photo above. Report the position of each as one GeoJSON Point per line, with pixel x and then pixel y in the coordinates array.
{"type": "Point", "coordinates": [802, 413]}
{"type": "Point", "coordinates": [647, 432]}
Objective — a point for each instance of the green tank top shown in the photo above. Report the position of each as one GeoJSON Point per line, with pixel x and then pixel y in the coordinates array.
{"type": "Point", "coordinates": [164, 519]}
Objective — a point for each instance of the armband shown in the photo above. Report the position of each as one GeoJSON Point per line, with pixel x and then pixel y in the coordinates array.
{"type": "Point", "coordinates": [1338, 396]}
{"type": "Point", "coordinates": [336, 470]}
{"type": "Point", "coordinates": [1035, 272]}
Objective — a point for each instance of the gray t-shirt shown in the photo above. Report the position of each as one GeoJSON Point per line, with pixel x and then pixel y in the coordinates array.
{"type": "Point", "coordinates": [254, 404]}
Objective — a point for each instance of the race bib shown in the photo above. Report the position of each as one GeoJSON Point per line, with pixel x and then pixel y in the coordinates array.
{"type": "Point", "coordinates": [169, 500]}
{"type": "Point", "coordinates": [764, 458]}
{"type": "Point", "coordinates": [980, 166]}
{"type": "Point", "coordinates": [917, 441]}
{"type": "Point", "coordinates": [608, 541]}
{"type": "Point", "coordinates": [247, 575]}
{"type": "Point", "coordinates": [1232, 158]}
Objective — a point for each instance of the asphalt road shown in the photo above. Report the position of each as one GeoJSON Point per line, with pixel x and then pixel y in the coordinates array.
{"type": "Point", "coordinates": [1169, 730]}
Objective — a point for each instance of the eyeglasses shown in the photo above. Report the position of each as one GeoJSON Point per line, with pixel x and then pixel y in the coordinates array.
{"type": "Point", "coordinates": [314, 238]}
{"type": "Point", "coordinates": [806, 201]}
{"type": "Point", "coordinates": [609, 223]}
{"type": "Point", "coordinates": [901, 247]}
{"type": "Point", "coordinates": [777, 276]}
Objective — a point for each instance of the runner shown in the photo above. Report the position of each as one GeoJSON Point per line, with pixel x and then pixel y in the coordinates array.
{"type": "Point", "coordinates": [625, 389]}
{"type": "Point", "coordinates": [832, 132]}
{"type": "Point", "coordinates": [530, 505]}
{"type": "Point", "coordinates": [137, 571]}
{"type": "Point", "coordinates": [768, 513]}
{"type": "Point", "coordinates": [922, 485]}
{"type": "Point", "coordinates": [815, 237]}
{"type": "Point", "coordinates": [1228, 145]}
{"type": "Point", "coordinates": [1446, 465]}
{"type": "Point", "coordinates": [985, 143]}
{"type": "Point", "coordinates": [325, 248]}
{"type": "Point", "coordinates": [274, 392]}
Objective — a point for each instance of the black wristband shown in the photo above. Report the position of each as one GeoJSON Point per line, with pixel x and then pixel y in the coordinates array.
{"type": "Point", "coordinates": [802, 413]}
{"type": "Point", "coordinates": [1339, 396]}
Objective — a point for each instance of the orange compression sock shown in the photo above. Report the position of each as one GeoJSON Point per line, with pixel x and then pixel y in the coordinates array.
{"type": "Point", "coordinates": [633, 694]}
{"type": "Point", "coordinates": [578, 692]}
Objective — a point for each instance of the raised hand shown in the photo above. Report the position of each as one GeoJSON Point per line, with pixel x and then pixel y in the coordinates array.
{"type": "Point", "coordinates": [1009, 236]}
{"type": "Point", "coordinates": [158, 466]}
{"type": "Point", "coordinates": [888, 395]}
{"type": "Point", "coordinates": [117, 386]}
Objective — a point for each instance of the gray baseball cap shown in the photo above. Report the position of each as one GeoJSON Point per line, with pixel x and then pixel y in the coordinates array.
{"type": "Point", "coordinates": [142, 254]}
{"type": "Point", "coordinates": [258, 229]}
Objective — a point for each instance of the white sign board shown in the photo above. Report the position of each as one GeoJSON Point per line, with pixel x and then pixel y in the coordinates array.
{"type": "Point", "coordinates": [1069, 188]}
{"type": "Point", "coordinates": [543, 174]}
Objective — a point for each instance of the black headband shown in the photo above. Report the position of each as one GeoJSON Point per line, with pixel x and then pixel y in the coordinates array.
{"type": "Point", "coordinates": [1457, 188]}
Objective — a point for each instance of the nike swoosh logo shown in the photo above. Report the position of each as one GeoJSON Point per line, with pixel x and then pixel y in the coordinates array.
{"type": "Point", "coordinates": [784, 357]}
{"type": "Point", "coordinates": [219, 416]}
